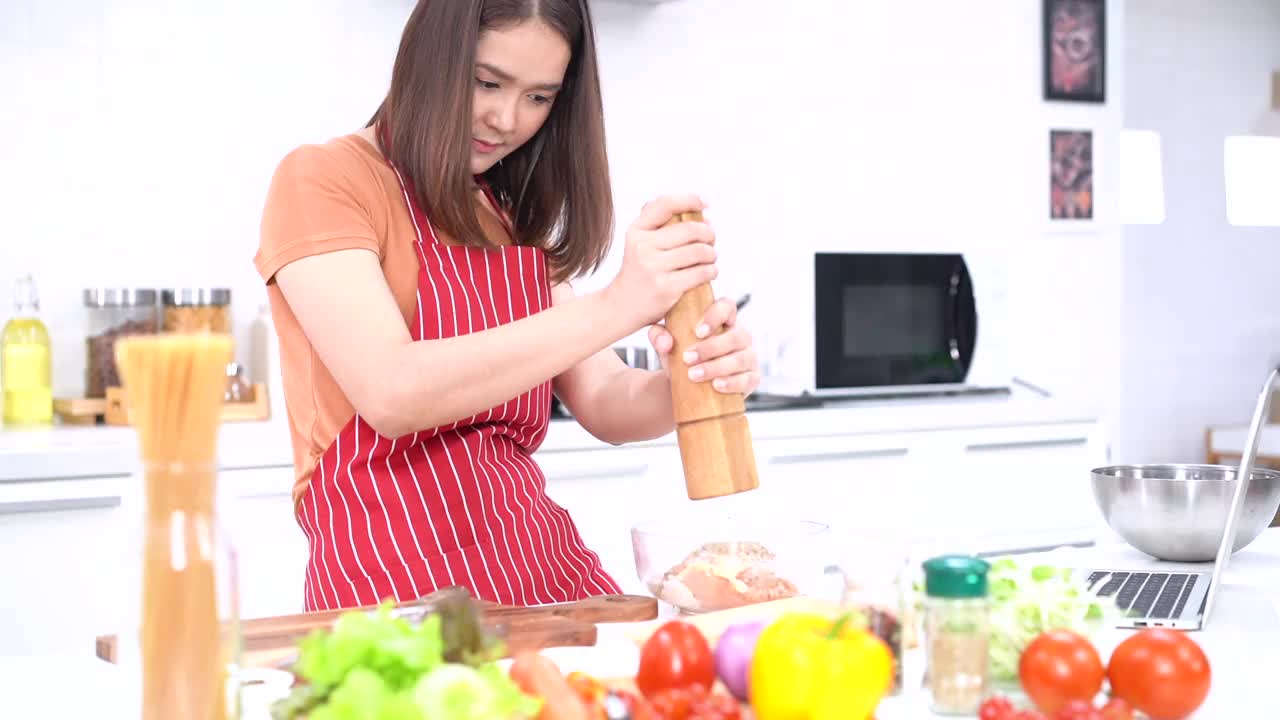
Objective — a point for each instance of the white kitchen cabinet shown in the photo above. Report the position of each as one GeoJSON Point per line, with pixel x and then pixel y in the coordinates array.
{"type": "Point", "coordinates": [1032, 481]}
{"type": "Point", "coordinates": [959, 477]}
{"type": "Point", "coordinates": [62, 557]}
{"type": "Point", "coordinates": [606, 492]}
{"type": "Point", "coordinates": [851, 479]}
{"type": "Point", "coordinates": [271, 550]}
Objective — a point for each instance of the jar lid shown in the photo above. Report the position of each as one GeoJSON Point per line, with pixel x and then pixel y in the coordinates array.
{"type": "Point", "coordinates": [196, 296]}
{"type": "Point", "coordinates": [118, 297]}
{"type": "Point", "coordinates": [956, 576]}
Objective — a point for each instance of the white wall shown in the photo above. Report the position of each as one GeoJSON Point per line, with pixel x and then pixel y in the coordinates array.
{"type": "Point", "coordinates": [139, 136]}
{"type": "Point", "coordinates": [1202, 305]}
{"type": "Point", "coordinates": [827, 124]}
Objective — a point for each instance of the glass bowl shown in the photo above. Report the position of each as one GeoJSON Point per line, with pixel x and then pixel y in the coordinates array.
{"type": "Point", "coordinates": [702, 564]}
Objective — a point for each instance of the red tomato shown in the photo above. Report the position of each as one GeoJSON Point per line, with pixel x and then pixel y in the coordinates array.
{"type": "Point", "coordinates": [1162, 673]}
{"type": "Point", "coordinates": [995, 708]}
{"type": "Point", "coordinates": [1026, 715]}
{"type": "Point", "coordinates": [637, 707]}
{"type": "Point", "coordinates": [675, 656]}
{"type": "Point", "coordinates": [1117, 709]}
{"type": "Point", "coordinates": [1078, 710]}
{"type": "Point", "coordinates": [722, 706]}
{"type": "Point", "coordinates": [1060, 666]}
{"type": "Point", "coordinates": [694, 703]}
{"type": "Point", "coordinates": [672, 704]}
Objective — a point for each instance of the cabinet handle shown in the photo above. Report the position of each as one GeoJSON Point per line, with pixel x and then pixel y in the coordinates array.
{"type": "Point", "coordinates": [836, 455]}
{"type": "Point", "coordinates": [59, 505]}
{"type": "Point", "coordinates": [1027, 444]}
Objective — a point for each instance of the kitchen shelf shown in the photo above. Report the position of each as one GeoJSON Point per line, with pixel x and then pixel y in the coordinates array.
{"type": "Point", "coordinates": [113, 409]}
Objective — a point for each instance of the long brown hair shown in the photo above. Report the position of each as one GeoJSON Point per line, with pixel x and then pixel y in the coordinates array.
{"type": "Point", "coordinates": [556, 186]}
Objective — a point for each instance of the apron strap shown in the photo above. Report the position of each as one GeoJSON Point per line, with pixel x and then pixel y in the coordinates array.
{"type": "Point", "coordinates": [415, 211]}
{"type": "Point", "coordinates": [497, 209]}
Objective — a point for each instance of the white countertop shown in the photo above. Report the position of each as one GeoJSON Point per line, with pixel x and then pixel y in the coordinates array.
{"type": "Point", "coordinates": [71, 451]}
{"type": "Point", "coordinates": [1242, 641]}
{"type": "Point", "coordinates": [65, 451]}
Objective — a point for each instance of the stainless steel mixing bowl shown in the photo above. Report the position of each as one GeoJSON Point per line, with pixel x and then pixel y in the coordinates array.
{"type": "Point", "coordinates": [1178, 512]}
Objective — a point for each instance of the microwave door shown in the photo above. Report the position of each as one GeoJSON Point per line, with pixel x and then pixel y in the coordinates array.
{"type": "Point", "coordinates": [889, 323]}
{"type": "Point", "coordinates": [963, 328]}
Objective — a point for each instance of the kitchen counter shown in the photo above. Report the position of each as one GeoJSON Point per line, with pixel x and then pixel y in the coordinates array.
{"type": "Point", "coordinates": [70, 451]}
{"type": "Point", "coordinates": [1242, 641]}
{"type": "Point", "coordinates": [100, 451]}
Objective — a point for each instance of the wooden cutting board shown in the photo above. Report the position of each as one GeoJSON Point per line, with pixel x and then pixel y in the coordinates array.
{"type": "Point", "coordinates": [273, 640]}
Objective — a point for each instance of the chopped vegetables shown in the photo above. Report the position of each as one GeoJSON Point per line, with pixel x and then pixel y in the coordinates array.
{"type": "Point", "coordinates": [376, 666]}
{"type": "Point", "coordinates": [379, 666]}
{"type": "Point", "coordinates": [1027, 600]}
{"type": "Point", "coordinates": [539, 676]}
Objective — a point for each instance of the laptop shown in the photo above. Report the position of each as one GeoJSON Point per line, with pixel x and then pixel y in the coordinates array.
{"type": "Point", "coordinates": [1174, 598]}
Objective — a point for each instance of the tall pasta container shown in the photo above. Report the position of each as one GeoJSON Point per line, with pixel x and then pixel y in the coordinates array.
{"type": "Point", "coordinates": [179, 643]}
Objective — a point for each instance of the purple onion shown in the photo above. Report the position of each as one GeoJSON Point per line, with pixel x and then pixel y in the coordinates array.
{"type": "Point", "coordinates": [733, 656]}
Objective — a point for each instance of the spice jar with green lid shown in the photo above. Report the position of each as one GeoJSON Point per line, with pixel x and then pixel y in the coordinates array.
{"type": "Point", "coordinates": [956, 633]}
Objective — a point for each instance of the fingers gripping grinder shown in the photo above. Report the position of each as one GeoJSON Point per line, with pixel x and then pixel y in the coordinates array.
{"type": "Point", "coordinates": [711, 426]}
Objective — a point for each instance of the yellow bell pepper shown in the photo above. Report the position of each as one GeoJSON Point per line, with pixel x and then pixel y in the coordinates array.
{"type": "Point", "coordinates": [812, 667]}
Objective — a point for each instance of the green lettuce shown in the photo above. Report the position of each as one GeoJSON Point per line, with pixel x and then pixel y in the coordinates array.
{"type": "Point", "coordinates": [377, 666]}
{"type": "Point", "coordinates": [1027, 600]}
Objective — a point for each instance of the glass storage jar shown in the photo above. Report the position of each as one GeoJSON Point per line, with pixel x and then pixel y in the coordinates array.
{"type": "Point", "coordinates": [197, 310]}
{"type": "Point", "coordinates": [181, 571]}
{"type": "Point", "coordinates": [957, 633]}
{"type": "Point", "coordinates": [876, 578]}
{"type": "Point", "coordinates": [113, 313]}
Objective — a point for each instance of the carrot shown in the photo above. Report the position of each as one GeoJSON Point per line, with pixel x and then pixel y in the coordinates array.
{"type": "Point", "coordinates": [539, 676]}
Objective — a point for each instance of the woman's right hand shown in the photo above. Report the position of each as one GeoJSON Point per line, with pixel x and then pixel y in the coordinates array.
{"type": "Point", "coordinates": [659, 264]}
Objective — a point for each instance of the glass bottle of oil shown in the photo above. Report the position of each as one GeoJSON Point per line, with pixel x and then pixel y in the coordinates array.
{"type": "Point", "coordinates": [26, 369]}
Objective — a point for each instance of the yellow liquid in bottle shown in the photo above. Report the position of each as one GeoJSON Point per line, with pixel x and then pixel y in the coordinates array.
{"type": "Point", "coordinates": [26, 373]}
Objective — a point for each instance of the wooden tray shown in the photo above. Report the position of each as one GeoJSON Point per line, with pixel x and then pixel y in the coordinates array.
{"type": "Point", "coordinates": [271, 641]}
{"type": "Point", "coordinates": [114, 408]}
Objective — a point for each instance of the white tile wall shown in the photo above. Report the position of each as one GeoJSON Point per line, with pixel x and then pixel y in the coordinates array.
{"type": "Point", "coordinates": [869, 126]}
{"type": "Point", "coordinates": [138, 137]}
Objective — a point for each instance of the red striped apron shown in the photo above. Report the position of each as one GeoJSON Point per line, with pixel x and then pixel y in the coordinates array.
{"type": "Point", "coordinates": [459, 505]}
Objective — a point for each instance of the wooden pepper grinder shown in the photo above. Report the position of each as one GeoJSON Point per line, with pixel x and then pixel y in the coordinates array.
{"type": "Point", "coordinates": [711, 426]}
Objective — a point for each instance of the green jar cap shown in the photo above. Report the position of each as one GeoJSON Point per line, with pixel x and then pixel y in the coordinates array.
{"type": "Point", "coordinates": [956, 576]}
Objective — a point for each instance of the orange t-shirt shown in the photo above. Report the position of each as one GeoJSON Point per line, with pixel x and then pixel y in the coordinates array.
{"type": "Point", "coordinates": [339, 195]}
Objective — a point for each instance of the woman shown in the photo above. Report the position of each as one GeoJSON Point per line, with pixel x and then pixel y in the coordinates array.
{"type": "Point", "coordinates": [418, 276]}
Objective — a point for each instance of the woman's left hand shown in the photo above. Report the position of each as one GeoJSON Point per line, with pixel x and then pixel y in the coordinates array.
{"type": "Point", "coordinates": [725, 359]}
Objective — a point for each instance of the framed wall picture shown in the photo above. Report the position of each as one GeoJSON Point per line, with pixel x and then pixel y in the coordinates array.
{"type": "Point", "coordinates": [1071, 175]}
{"type": "Point", "coordinates": [1075, 50]}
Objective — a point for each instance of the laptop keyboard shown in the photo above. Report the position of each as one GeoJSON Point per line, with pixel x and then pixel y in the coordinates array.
{"type": "Point", "coordinates": [1146, 595]}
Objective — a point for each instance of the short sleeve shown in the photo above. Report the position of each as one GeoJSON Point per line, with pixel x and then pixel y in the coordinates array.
{"type": "Point", "coordinates": [314, 205]}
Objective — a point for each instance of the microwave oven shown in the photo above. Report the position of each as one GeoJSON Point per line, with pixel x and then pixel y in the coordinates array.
{"type": "Point", "coordinates": [859, 323]}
